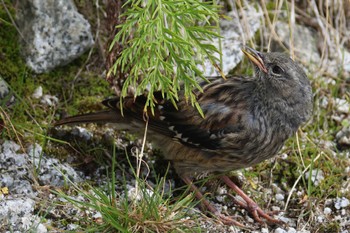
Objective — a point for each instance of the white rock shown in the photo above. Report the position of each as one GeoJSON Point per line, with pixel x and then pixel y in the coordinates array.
{"type": "Point", "coordinates": [316, 176]}
{"type": "Point", "coordinates": [49, 100]}
{"type": "Point", "coordinates": [38, 93]}
{"type": "Point", "coordinates": [132, 195]}
{"type": "Point", "coordinates": [82, 132]}
{"type": "Point", "coordinates": [346, 60]}
{"type": "Point", "coordinates": [284, 156]}
{"type": "Point", "coordinates": [221, 191]}
{"type": "Point", "coordinates": [10, 146]}
{"type": "Point", "coordinates": [347, 170]}
{"type": "Point", "coordinates": [34, 150]}
{"type": "Point", "coordinates": [327, 210]}
{"type": "Point", "coordinates": [291, 230]}
{"type": "Point", "coordinates": [280, 230]}
{"type": "Point", "coordinates": [72, 227]}
{"type": "Point", "coordinates": [279, 197]}
{"type": "Point", "coordinates": [233, 229]}
{"type": "Point", "coordinates": [342, 105]}
{"type": "Point", "coordinates": [41, 228]}
{"type": "Point", "coordinates": [320, 219]}
{"type": "Point", "coordinates": [97, 215]}
{"type": "Point", "coordinates": [324, 102]}
{"type": "Point", "coordinates": [343, 212]}
{"type": "Point", "coordinates": [300, 193]}
{"type": "Point", "coordinates": [341, 203]}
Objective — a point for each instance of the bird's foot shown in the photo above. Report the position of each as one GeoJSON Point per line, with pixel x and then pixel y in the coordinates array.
{"type": "Point", "coordinates": [227, 220]}
{"type": "Point", "coordinates": [223, 218]}
{"type": "Point", "coordinates": [249, 204]}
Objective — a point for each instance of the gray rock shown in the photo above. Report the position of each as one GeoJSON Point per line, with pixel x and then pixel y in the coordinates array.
{"type": "Point", "coordinates": [82, 133]}
{"type": "Point", "coordinates": [54, 33]}
{"type": "Point", "coordinates": [233, 37]}
{"type": "Point", "coordinates": [17, 208]}
{"type": "Point", "coordinates": [304, 42]}
{"type": "Point", "coordinates": [6, 96]}
{"type": "Point", "coordinates": [17, 213]}
{"type": "Point", "coordinates": [50, 170]}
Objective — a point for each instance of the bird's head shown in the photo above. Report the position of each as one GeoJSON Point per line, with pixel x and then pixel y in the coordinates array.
{"type": "Point", "coordinates": [284, 81]}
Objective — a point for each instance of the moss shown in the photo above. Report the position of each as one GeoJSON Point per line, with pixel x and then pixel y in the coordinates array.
{"type": "Point", "coordinates": [78, 93]}
{"type": "Point", "coordinates": [331, 227]}
{"type": "Point", "coordinates": [11, 64]}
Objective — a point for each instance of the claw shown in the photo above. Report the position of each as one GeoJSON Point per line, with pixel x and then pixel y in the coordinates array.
{"type": "Point", "coordinates": [250, 205]}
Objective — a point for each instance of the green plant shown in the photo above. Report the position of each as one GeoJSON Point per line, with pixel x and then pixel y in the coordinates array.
{"type": "Point", "coordinates": [150, 209]}
{"type": "Point", "coordinates": [163, 41]}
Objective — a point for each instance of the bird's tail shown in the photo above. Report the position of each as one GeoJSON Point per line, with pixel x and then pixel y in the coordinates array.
{"type": "Point", "coordinates": [108, 116]}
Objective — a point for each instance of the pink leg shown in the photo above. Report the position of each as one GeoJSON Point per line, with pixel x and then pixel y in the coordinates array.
{"type": "Point", "coordinates": [250, 205]}
{"type": "Point", "coordinates": [225, 219]}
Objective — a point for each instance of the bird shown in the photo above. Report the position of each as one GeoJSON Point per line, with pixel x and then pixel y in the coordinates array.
{"type": "Point", "coordinates": [247, 119]}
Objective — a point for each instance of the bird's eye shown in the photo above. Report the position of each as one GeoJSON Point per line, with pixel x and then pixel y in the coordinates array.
{"type": "Point", "coordinates": [277, 70]}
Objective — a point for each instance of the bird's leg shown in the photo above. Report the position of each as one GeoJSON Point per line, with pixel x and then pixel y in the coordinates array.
{"type": "Point", "coordinates": [225, 219]}
{"type": "Point", "coordinates": [250, 205]}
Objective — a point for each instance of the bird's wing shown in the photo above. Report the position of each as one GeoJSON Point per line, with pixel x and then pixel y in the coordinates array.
{"type": "Point", "coordinates": [196, 134]}
{"type": "Point", "coordinates": [184, 123]}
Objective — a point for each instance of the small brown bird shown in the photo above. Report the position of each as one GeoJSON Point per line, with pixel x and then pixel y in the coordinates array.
{"type": "Point", "coordinates": [247, 120]}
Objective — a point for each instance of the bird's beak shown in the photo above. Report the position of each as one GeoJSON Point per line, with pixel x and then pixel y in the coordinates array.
{"type": "Point", "coordinates": [255, 57]}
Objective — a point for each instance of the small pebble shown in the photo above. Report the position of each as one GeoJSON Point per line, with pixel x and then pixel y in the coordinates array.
{"type": "Point", "coordinates": [284, 156]}
{"type": "Point", "coordinates": [341, 203]}
{"type": "Point", "coordinates": [285, 219]}
{"type": "Point", "coordinates": [300, 193]}
{"type": "Point", "coordinates": [82, 133]}
{"type": "Point", "coordinates": [72, 227]}
{"type": "Point", "coordinates": [280, 230]}
{"type": "Point", "coordinates": [232, 229]}
{"type": "Point", "coordinates": [328, 202]}
{"type": "Point", "coordinates": [49, 100]}
{"type": "Point", "coordinates": [221, 191]}
{"type": "Point", "coordinates": [250, 220]}
{"type": "Point", "coordinates": [347, 169]}
{"type": "Point", "coordinates": [279, 197]}
{"type": "Point", "coordinates": [343, 212]}
{"type": "Point", "coordinates": [327, 210]}
{"type": "Point", "coordinates": [220, 198]}
{"type": "Point", "coordinates": [38, 93]}
{"type": "Point", "coordinates": [137, 196]}
{"type": "Point", "coordinates": [316, 176]}
{"type": "Point", "coordinates": [97, 215]}
{"type": "Point", "coordinates": [342, 105]}
{"type": "Point", "coordinates": [291, 230]}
